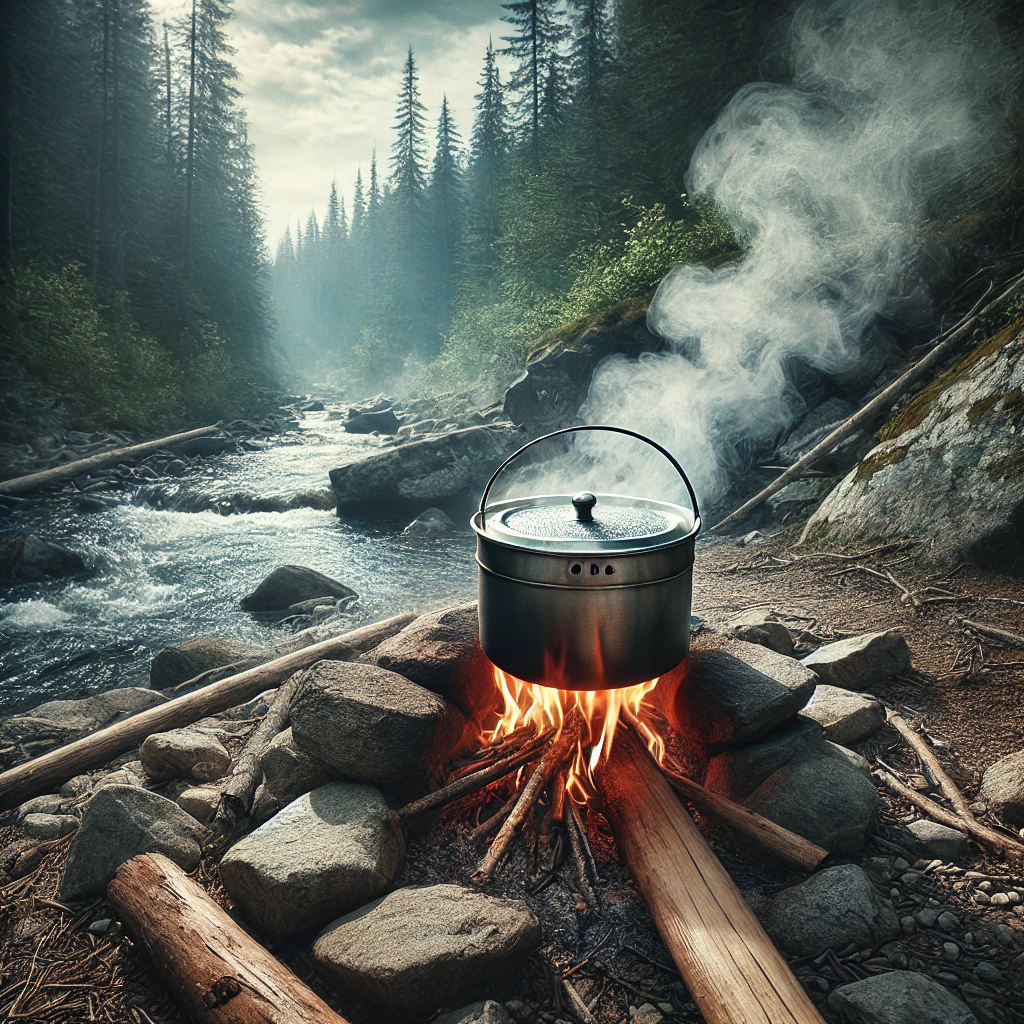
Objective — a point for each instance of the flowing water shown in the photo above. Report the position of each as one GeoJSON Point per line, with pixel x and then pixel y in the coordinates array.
{"type": "Point", "coordinates": [160, 577]}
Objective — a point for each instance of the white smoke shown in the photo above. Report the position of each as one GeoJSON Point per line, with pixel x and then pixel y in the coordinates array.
{"type": "Point", "coordinates": [827, 183]}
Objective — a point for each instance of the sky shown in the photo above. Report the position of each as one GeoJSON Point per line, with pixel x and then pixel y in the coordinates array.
{"type": "Point", "coordinates": [320, 78]}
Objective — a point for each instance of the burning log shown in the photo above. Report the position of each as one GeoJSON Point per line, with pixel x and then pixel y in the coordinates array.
{"type": "Point", "coordinates": [218, 973]}
{"type": "Point", "coordinates": [734, 973]}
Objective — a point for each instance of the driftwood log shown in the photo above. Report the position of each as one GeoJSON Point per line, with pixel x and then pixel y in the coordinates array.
{"type": "Point", "coordinates": [866, 416]}
{"type": "Point", "coordinates": [218, 973]}
{"type": "Point", "coordinates": [787, 846]}
{"type": "Point", "coordinates": [69, 470]}
{"type": "Point", "coordinates": [733, 971]}
{"type": "Point", "coordinates": [55, 768]}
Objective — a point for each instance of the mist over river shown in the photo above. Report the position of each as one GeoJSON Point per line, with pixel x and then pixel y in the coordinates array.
{"type": "Point", "coordinates": [159, 577]}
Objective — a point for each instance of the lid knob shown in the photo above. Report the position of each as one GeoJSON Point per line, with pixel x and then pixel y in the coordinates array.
{"type": "Point", "coordinates": [584, 502]}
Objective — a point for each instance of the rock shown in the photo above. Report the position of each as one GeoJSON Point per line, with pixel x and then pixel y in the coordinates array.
{"type": "Point", "coordinates": [818, 422]}
{"type": "Point", "coordinates": [750, 539]}
{"type": "Point", "coordinates": [313, 406]}
{"type": "Point", "coordinates": [60, 721]}
{"type": "Point", "coordinates": [204, 447]}
{"type": "Point", "coordinates": [758, 626]}
{"type": "Point", "coordinates": [51, 803]}
{"type": "Point", "coordinates": [800, 495]}
{"type": "Point", "coordinates": [77, 786]}
{"type": "Point", "coordinates": [31, 560]}
{"type": "Point", "coordinates": [100, 926]}
{"type": "Point", "coordinates": [431, 523]}
{"type": "Point", "coordinates": [178, 663]}
{"type": "Point", "coordinates": [431, 471]}
{"type": "Point", "coordinates": [201, 802]}
{"type": "Point", "coordinates": [989, 973]}
{"type": "Point", "coordinates": [852, 758]}
{"type": "Point", "coordinates": [833, 909]}
{"type": "Point", "coordinates": [898, 997]}
{"type": "Point", "coordinates": [288, 772]}
{"type": "Point", "coordinates": [326, 853]}
{"type": "Point", "coordinates": [372, 725]}
{"type": "Point", "coordinates": [184, 753]}
{"type": "Point", "coordinates": [846, 717]}
{"type": "Point", "coordinates": [383, 422]}
{"type": "Point", "coordinates": [1002, 788]}
{"type": "Point", "coordinates": [932, 841]}
{"type": "Point", "coordinates": [948, 922]}
{"type": "Point", "coordinates": [488, 1012]}
{"type": "Point", "coordinates": [418, 949]}
{"type": "Point", "coordinates": [119, 823]}
{"type": "Point", "coordinates": [822, 798]}
{"type": "Point", "coordinates": [49, 826]}
{"type": "Point", "coordinates": [737, 771]}
{"type": "Point", "coordinates": [289, 584]}
{"type": "Point", "coordinates": [861, 662]}
{"type": "Point", "coordinates": [439, 650]}
{"type": "Point", "coordinates": [736, 692]}
{"type": "Point", "coordinates": [948, 468]}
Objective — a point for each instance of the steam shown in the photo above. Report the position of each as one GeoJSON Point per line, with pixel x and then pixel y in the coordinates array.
{"type": "Point", "coordinates": [826, 182]}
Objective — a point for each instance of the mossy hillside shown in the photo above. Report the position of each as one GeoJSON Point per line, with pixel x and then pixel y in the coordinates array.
{"type": "Point", "coordinates": [626, 313]}
{"type": "Point", "coordinates": [870, 465]}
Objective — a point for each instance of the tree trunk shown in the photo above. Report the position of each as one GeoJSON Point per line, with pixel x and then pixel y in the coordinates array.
{"type": "Point", "coordinates": [217, 972]}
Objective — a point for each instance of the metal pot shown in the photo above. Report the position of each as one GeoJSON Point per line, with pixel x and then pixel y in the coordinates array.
{"type": "Point", "coordinates": [588, 591]}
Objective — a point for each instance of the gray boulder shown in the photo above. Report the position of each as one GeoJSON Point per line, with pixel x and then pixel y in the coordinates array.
{"type": "Point", "coordinates": [119, 823]}
{"type": "Point", "coordinates": [833, 909]}
{"type": "Point", "coordinates": [31, 560]}
{"type": "Point", "coordinates": [861, 662]}
{"type": "Point", "coordinates": [758, 626]}
{"type": "Point", "coordinates": [931, 840]}
{"type": "Point", "coordinates": [287, 772]}
{"type": "Point", "coordinates": [846, 717]}
{"type": "Point", "coordinates": [383, 421]}
{"type": "Point", "coordinates": [898, 997]}
{"type": "Point", "coordinates": [488, 1012]}
{"type": "Point", "coordinates": [372, 725]}
{"type": "Point", "coordinates": [948, 470]}
{"type": "Point", "coordinates": [800, 495]}
{"type": "Point", "coordinates": [1002, 788]}
{"type": "Point", "coordinates": [818, 422]}
{"type": "Point", "coordinates": [290, 584]}
{"type": "Point", "coordinates": [821, 797]}
{"type": "Point", "coordinates": [431, 523]}
{"type": "Point", "coordinates": [178, 663]}
{"type": "Point", "coordinates": [49, 826]}
{"type": "Point", "coordinates": [431, 471]}
{"type": "Point", "coordinates": [326, 853]}
{"type": "Point", "coordinates": [419, 949]}
{"type": "Point", "coordinates": [184, 753]}
{"type": "Point", "coordinates": [736, 692]}
{"type": "Point", "coordinates": [51, 803]}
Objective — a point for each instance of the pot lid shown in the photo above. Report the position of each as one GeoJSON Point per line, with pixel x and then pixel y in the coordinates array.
{"type": "Point", "coordinates": [586, 522]}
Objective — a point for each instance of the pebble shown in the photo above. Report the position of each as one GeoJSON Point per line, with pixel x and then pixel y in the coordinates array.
{"type": "Point", "coordinates": [988, 972]}
{"type": "Point", "coordinates": [969, 938]}
{"type": "Point", "coordinates": [927, 918]}
{"type": "Point", "coordinates": [947, 978]}
{"type": "Point", "coordinates": [978, 807]}
{"type": "Point", "coordinates": [1004, 936]}
{"type": "Point", "coordinates": [907, 925]}
{"type": "Point", "coordinates": [895, 894]}
{"type": "Point", "coordinates": [950, 952]}
{"type": "Point", "coordinates": [1000, 899]}
{"type": "Point", "coordinates": [100, 926]}
{"type": "Point", "coordinates": [1013, 897]}
{"type": "Point", "coordinates": [985, 886]}
{"type": "Point", "coordinates": [911, 877]}
{"type": "Point", "coordinates": [949, 922]}
{"type": "Point", "coordinates": [983, 898]}
{"type": "Point", "coordinates": [899, 864]}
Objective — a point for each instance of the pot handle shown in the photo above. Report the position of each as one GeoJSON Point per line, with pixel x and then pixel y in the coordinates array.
{"type": "Point", "coordinates": [593, 426]}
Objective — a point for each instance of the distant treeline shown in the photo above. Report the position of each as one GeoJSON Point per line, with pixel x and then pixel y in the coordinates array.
{"type": "Point", "coordinates": [132, 244]}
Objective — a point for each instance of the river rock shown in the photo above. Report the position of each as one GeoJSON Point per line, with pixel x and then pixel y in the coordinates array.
{"type": "Point", "coordinates": [1002, 788]}
{"type": "Point", "coordinates": [431, 523]}
{"type": "Point", "coordinates": [439, 650]}
{"type": "Point", "coordinates": [184, 753]}
{"type": "Point", "coordinates": [930, 840]}
{"type": "Point", "coordinates": [119, 823]}
{"type": "Point", "coordinates": [326, 853]}
{"type": "Point", "coordinates": [288, 772]}
{"type": "Point", "coordinates": [488, 1012]}
{"type": "Point", "coordinates": [289, 584]}
{"type": "Point", "coordinates": [49, 826]}
{"type": "Point", "coordinates": [50, 803]}
{"type": "Point", "coordinates": [178, 663]}
{"type": "Point", "coordinates": [758, 626]}
{"type": "Point", "coordinates": [419, 949]}
{"type": "Point", "coordinates": [846, 717]}
{"type": "Point", "coordinates": [60, 721]}
{"type": "Point", "coordinates": [821, 797]}
{"type": "Point", "coordinates": [383, 422]}
{"type": "Point", "coordinates": [31, 559]}
{"type": "Point", "coordinates": [431, 471]}
{"type": "Point", "coordinates": [736, 692]}
{"type": "Point", "coordinates": [204, 447]}
{"type": "Point", "coordinates": [201, 802]}
{"type": "Point", "coordinates": [372, 725]}
{"type": "Point", "coordinates": [832, 909]}
{"type": "Point", "coordinates": [861, 662]}
{"type": "Point", "coordinates": [898, 997]}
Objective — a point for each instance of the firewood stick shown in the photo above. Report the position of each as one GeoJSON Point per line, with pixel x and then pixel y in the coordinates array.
{"type": "Point", "coordinates": [582, 855]}
{"type": "Point", "coordinates": [995, 633]}
{"type": "Point", "coordinates": [982, 833]}
{"type": "Point", "coordinates": [734, 973]}
{"type": "Point", "coordinates": [217, 972]}
{"type": "Point", "coordinates": [69, 470]}
{"type": "Point", "coordinates": [502, 750]}
{"type": "Point", "coordinates": [470, 783]}
{"type": "Point", "coordinates": [558, 797]}
{"type": "Point", "coordinates": [485, 828]}
{"type": "Point", "coordinates": [56, 767]}
{"type": "Point", "coordinates": [787, 846]}
{"type": "Point", "coordinates": [559, 751]}
{"type": "Point", "coordinates": [580, 1009]}
{"type": "Point", "coordinates": [878, 405]}
{"type": "Point", "coordinates": [931, 763]}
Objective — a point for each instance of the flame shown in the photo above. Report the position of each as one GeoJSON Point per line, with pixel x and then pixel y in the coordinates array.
{"type": "Point", "coordinates": [541, 708]}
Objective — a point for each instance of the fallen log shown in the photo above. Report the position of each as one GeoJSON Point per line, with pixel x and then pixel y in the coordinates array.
{"type": "Point", "coordinates": [217, 972]}
{"type": "Point", "coordinates": [866, 416]}
{"type": "Point", "coordinates": [57, 766]}
{"type": "Point", "coordinates": [1011, 848]}
{"type": "Point", "coordinates": [69, 470]}
{"type": "Point", "coordinates": [1004, 636]}
{"type": "Point", "coordinates": [786, 846]}
{"type": "Point", "coordinates": [733, 971]}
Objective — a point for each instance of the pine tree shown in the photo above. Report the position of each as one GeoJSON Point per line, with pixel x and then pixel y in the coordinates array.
{"type": "Point", "coordinates": [591, 52]}
{"type": "Point", "coordinates": [358, 204]}
{"type": "Point", "coordinates": [535, 47]}
{"type": "Point", "coordinates": [445, 208]}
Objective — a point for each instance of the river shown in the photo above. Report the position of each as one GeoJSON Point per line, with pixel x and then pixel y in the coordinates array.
{"type": "Point", "coordinates": [159, 577]}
